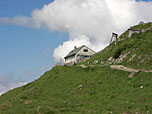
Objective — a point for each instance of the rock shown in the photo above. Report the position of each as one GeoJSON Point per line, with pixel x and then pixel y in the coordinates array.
{"type": "Point", "coordinates": [80, 86]}
{"type": "Point", "coordinates": [148, 112]}
{"type": "Point", "coordinates": [110, 58]}
{"type": "Point", "coordinates": [95, 61]}
{"type": "Point", "coordinates": [111, 112]}
{"type": "Point", "coordinates": [102, 62]}
{"type": "Point", "coordinates": [121, 58]}
{"type": "Point", "coordinates": [38, 108]}
{"type": "Point", "coordinates": [133, 56]}
{"type": "Point", "coordinates": [28, 101]}
{"type": "Point", "coordinates": [142, 87]}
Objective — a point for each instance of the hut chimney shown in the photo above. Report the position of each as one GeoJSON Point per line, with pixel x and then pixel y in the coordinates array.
{"type": "Point", "coordinates": [75, 47]}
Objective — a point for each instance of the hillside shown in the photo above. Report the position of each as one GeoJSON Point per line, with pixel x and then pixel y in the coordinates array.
{"type": "Point", "coordinates": [96, 89]}
{"type": "Point", "coordinates": [135, 52]}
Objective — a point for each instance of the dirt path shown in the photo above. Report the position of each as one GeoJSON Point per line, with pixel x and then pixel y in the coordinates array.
{"type": "Point", "coordinates": [123, 68]}
{"type": "Point", "coordinates": [133, 71]}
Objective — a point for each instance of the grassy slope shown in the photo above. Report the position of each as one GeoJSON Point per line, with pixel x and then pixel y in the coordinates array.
{"type": "Point", "coordinates": [93, 90]}
{"type": "Point", "coordinates": [139, 44]}
{"type": "Point", "coordinates": [75, 90]}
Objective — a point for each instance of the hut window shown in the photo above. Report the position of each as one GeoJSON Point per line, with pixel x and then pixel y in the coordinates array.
{"type": "Point", "coordinates": [85, 50]}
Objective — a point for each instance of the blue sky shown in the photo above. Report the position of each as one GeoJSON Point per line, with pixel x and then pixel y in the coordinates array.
{"type": "Point", "coordinates": [26, 53]}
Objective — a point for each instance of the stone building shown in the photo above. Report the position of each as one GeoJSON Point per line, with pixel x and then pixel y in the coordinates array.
{"type": "Point", "coordinates": [78, 55]}
{"type": "Point", "coordinates": [132, 31]}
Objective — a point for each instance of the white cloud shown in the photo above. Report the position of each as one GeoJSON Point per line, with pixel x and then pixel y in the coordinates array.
{"type": "Point", "coordinates": [5, 88]}
{"type": "Point", "coordinates": [7, 83]}
{"type": "Point", "coordinates": [88, 22]}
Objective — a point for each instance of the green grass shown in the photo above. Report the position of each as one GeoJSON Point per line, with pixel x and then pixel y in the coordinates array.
{"type": "Point", "coordinates": [93, 90]}
{"type": "Point", "coordinates": [74, 90]}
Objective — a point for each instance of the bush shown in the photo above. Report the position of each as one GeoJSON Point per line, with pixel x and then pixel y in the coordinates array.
{"type": "Point", "coordinates": [121, 48]}
{"type": "Point", "coordinates": [117, 53]}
